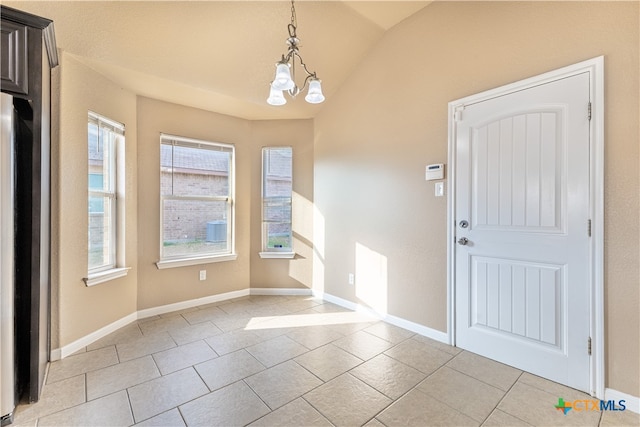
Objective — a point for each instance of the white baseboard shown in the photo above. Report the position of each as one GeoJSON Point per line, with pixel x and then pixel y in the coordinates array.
{"type": "Point", "coordinates": [280, 291]}
{"type": "Point", "coordinates": [154, 311]}
{"type": "Point", "coordinates": [434, 334]}
{"type": "Point", "coordinates": [394, 320]}
{"type": "Point", "coordinates": [341, 302]}
{"type": "Point", "coordinates": [631, 402]}
{"type": "Point", "coordinates": [61, 353]}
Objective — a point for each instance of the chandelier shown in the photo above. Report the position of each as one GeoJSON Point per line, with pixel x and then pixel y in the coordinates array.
{"type": "Point", "coordinates": [284, 80]}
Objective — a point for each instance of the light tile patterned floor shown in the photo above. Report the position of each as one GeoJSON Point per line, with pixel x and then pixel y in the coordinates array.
{"type": "Point", "coordinates": [291, 361]}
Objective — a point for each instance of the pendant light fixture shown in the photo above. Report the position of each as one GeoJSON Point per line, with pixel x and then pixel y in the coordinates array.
{"type": "Point", "coordinates": [285, 79]}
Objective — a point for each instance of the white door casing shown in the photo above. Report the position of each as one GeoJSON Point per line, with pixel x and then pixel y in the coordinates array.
{"type": "Point", "coordinates": [525, 289]}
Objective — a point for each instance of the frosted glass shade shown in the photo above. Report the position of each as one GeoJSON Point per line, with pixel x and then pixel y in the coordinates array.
{"type": "Point", "coordinates": [314, 96]}
{"type": "Point", "coordinates": [283, 77]}
{"type": "Point", "coordinates": [276, 97]}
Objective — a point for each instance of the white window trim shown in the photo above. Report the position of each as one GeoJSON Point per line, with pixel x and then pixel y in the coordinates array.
{"type": "Point", "coordinates": [182, 261]}
{"type": "Point", "coordinates": [98, 276]}
{"type": "Point", "coordinates": [105, 276]}
{"type": "Point", "coordinates": [274, 253]}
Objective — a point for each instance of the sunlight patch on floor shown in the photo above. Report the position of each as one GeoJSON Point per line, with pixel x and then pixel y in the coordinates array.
{"type": "Point", "coordinates": [301, 320]}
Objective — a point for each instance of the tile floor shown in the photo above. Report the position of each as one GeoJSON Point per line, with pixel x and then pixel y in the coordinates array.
{"type": "Point", "coordinates": [291, 361]}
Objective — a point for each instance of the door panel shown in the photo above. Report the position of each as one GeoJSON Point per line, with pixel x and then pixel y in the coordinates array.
{"type": "Point", "coordinates": [516, 162]}
{"type": "Point", "coordinates": [516, 299]}
{"type": "Point", "coordinates": [522, 183]}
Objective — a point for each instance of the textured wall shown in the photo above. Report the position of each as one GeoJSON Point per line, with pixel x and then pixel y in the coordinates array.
{"type": "Point", "coordinates": [284, 273]}
{"type": "Point", "coordinates": [161, 287]}
{"type": "Point", "coordinates": [389, 120]}
{"type": "Point", "coordinates": [371, 142]}
{"type": "Point", "coordinates": [78, 310]}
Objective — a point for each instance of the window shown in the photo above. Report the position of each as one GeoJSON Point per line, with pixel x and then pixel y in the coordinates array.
{"type": "Point", "coordinates": [277, 173]}
{"type": "Point", "coordinates": [105, 199]}
{"type": "Point", "coordinates": [197, 190]}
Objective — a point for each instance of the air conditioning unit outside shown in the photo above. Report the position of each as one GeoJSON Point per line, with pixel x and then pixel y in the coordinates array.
{"type": "Point", "coordinates": [217, 231]}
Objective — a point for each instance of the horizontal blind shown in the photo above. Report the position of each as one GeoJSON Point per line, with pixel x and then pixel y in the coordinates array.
{"type": "Point", "coordinates": [103, 122]}
{"type": "Point", "coordinates": [180, 141]}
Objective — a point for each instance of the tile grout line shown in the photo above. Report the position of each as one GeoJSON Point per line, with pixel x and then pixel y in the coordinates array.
{"type": "Point", "coordinates": [259, 397]}
{"type": "Point", "coordinates": [313, 374]}
{"type": "Point", "coordinates": [173, 407]}
{"type": "Point", "coordinates": [323, 382]}
{"type": "Point", "coordinates": [476, 379]}
{"type": "Point", "coordinates": [502, 399]}
{"type": "Point", "coordinates": [404, 364]}
{"type": "Point", "coordinates": [317, 409]}
{"type": "Point", "coordinates": [133, 417]}
{"type": "Point", "coordinates": [415, 387]}
{"type": "Point", "coordinates": [482, 381]}
{"type": "Point", "coordinates": [260, 307]}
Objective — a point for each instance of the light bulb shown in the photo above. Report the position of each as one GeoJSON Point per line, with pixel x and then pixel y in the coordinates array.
{"type": "Point", "coordinates": [283, 77]}
{"type": "Point", "coordinates": [314, 96]}
{"type": "Point", "coordinates": [276, 97]}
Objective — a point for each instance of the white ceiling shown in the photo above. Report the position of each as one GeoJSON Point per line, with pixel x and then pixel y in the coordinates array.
{"type": "Point", "coordinates": [218, 55]}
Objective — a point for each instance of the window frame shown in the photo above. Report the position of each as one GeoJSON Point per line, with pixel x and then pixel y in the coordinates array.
{"type": "Point", "coordinates": [116, 195]}
{"type": "Point", "coordinates": [199, 258]}
{"type": "Point", "coordinates": [267, 252]}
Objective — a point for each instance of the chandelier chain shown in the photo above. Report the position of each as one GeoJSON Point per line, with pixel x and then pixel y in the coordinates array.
{"type": "Point", "coordinates": [294, 18]}
{"type": "Point", "coordinates": [286, 68]}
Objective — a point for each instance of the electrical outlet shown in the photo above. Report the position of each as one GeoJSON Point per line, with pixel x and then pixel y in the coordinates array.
{"type": "Point", "coordinates": [352, 278]}
{"type": "Point", "coordinates": [203, 274]}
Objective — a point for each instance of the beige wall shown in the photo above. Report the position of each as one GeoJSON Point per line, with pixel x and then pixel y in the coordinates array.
{"type": "Point", "coordinates": [374, 138]}
{"type": "Point", "coordinates": [284, 273]}
{"type": "Point", "coordinates": [167, 286]}
{"type": "Point", "coordinates": [162, 287]}
{"type": "Point", "coordinates": [374, 213]}
{"type": "Point", "coordinates": [78, 310]}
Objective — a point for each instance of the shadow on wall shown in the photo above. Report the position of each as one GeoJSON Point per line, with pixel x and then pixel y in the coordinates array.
{"type": "Point", "coordinates": [371, 272]}
{"type": "Point", "coordinates": [318, 254]}
{"type": "Point", "coordinates": [302, 266]}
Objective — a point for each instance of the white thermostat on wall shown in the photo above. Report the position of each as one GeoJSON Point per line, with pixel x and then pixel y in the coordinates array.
{"type": "Point", "coordinates": [435, 171]}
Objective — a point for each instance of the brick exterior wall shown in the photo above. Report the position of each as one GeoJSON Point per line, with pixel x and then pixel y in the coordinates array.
{"type": "Point", "coordinates": [201, 222]}
{"type": "Point", "coordinates": [187, 220]}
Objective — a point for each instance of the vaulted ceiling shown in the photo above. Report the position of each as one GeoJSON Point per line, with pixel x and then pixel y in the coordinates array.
{"type": "Point", "coordinates": [218, 55]}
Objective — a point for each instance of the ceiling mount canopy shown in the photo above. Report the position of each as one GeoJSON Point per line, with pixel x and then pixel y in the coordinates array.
{"type": "Point", "coordinates": [285, 78]}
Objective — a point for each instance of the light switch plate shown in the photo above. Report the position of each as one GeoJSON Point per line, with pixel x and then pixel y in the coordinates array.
{"type": "Point", "coordinates": [439, 189]}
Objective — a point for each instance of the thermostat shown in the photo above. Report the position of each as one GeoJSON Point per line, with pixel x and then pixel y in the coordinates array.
{"type": "Point", "coordinates": [434, 172]}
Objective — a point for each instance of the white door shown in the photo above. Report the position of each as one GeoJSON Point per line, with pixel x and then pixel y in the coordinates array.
{"type": "Point", "coordinates": [522, 278]}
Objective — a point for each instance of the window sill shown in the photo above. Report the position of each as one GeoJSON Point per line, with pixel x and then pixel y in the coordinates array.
{"type": "Point", "coordinates": [275, 255]}
{"type": "Point", "coordinates": [183, 262]}
{"type": "Point", "coordinates": [105, 276]}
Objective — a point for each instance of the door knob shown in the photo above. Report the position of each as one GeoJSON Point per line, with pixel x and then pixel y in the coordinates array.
{"type": "Point", "coordinates": [463, 241]}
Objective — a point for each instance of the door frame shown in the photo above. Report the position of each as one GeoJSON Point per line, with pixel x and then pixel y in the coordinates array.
{"type": "Point", "coordinates": [595, 68]}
